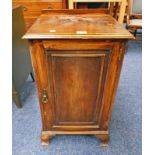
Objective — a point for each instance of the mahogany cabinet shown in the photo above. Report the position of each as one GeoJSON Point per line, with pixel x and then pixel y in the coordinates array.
{"type": "Point", "coordinates": [77, 57]}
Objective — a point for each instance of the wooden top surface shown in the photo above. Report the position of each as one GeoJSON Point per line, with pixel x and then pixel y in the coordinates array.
{"type": "Point", "coordinates": [76, 26]}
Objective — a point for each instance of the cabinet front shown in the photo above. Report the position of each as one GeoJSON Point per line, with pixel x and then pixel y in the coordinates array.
{"type": "Point", "coordinates": [76, 80]}
{"type": "Point", "coordinates": [77, 84]}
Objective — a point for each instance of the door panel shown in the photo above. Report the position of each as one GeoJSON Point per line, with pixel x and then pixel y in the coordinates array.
{"type": "Point", "coordinates": [77, 80]}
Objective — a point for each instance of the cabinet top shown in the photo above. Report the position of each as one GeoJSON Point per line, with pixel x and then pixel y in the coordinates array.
{"type": "Point", "coordinates": [77, 26]}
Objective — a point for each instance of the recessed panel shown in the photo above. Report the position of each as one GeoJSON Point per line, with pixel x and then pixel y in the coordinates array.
{"type": "Point", "coordinates": [77, 80]}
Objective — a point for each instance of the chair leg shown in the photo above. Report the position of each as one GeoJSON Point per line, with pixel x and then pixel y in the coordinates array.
{"type": "Point", "coordinates": [135, 32]}
{"type": "Point", "coordinates": [32, 77]}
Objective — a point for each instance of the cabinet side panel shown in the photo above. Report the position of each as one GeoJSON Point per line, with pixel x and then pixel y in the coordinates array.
{"type": "Point", "coordinates": [111, 83]}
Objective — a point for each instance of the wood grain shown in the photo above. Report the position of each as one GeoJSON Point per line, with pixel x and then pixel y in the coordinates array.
{"type": "Point", "coordinates": [48, 27]}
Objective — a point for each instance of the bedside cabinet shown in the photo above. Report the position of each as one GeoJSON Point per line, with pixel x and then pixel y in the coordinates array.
{"type": "Point", "coordinates": [77, 57]}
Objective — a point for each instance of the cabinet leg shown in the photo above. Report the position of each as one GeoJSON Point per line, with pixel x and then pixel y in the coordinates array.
{"type": "Point", "coordinates": [104, 139]}
{"type": "Point", "coordinates": [45, 138]}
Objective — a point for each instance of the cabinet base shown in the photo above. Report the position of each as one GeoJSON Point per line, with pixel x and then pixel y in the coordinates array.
{"type": "Point", "coordinates": [102, 135]}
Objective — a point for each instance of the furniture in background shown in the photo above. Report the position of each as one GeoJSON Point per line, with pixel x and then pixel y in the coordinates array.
{"type": "Point", "coordinates": [21, 62]}
{"type": "Point", "coordinates": [32, 8]}
{"type": "Point", "coordinates": [92, 5]}
{"type": "Point", "coordinates": [77, 61]}
{"type": "Point", "coordinates": [134, 17]}
{"type": "Point", "coordinates": [122, 7]}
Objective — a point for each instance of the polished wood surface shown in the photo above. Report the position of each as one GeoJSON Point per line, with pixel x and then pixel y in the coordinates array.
{"type": "Point", "coordinates": [76, 79]}
{"type": "Point", "coordinates": [77, 26]}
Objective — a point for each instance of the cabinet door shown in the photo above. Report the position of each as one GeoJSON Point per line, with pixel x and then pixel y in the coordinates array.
{"type": "Point", "coordinates": [77, 80]}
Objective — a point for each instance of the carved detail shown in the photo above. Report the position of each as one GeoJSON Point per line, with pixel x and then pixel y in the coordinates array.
{"type": "Point", "coordinates": [104, 139]}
